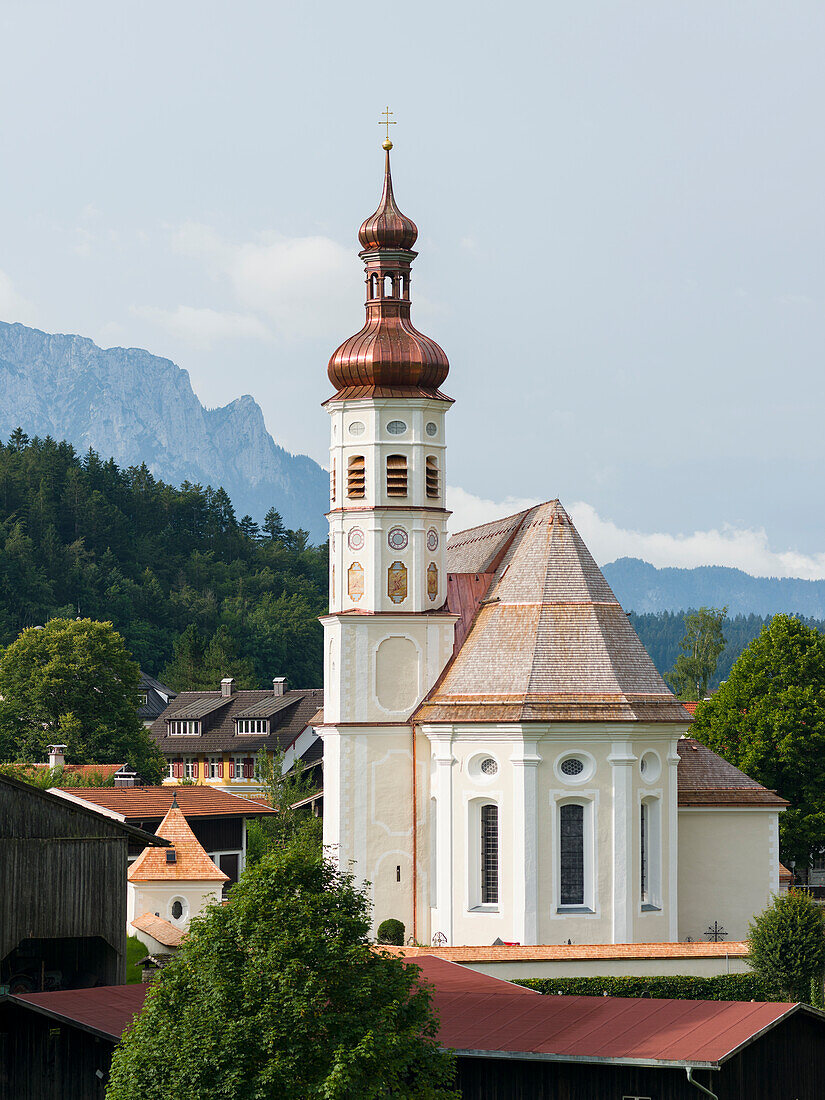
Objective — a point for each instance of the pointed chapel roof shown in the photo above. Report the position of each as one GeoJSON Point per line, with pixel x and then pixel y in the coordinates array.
{"type": "Point", "coordinates": [549, 641]}
{"type": "Point", "coordinates": [192, 864]}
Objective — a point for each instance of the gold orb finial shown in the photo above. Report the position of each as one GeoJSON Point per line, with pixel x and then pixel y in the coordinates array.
{"type": "Point", "coordinates": [387, 121]}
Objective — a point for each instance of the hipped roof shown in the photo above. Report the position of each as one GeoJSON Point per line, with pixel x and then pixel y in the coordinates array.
{"type": "Point", "coordinates": [550, 641]}
{"type": "Point", "coordinates": [191, 865]}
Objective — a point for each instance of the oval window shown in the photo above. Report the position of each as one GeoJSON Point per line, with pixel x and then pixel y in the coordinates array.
{"type": "Point", "coordinates": [396, 427]}
{"type": "Point", "coordinates": [572, 766]}
{"type": "Point", "coordinates": [177, 910]}
{"type": "Point", "coordinates": [432, 428]}
{"type": "Point", "coordinates": [356, 428]}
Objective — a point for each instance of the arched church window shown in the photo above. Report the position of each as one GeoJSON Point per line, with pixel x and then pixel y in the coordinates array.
{"type": "Point", "coordinates": [373, 286]}
{"type": "Point", "coordinates": [489, 854]}
{"type": "Point", "coordinates": [396, 475]}
{"type": "Point", "coordinates": [388, 286]}
{"type": "Point", "coordinates": [649, 854]}
{"type": "Point", "coordinates": [433, 478]}
{"type": "Point", "coordinates": [356, 477]}
{"type": "Point", "coordinates": [571, 854]}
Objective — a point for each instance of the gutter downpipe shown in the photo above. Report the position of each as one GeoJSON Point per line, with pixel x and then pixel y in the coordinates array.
{"type": "Point", "coordinates": [414, 843]}
{"type": "Point", "coordinates": [707, 1092]}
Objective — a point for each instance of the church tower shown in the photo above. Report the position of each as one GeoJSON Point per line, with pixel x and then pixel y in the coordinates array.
{"type": "Point", "coordinates": [387, 636]}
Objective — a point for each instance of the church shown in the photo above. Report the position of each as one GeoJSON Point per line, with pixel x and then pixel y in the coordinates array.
{"type": "Point", "coordinates": [502, 761]}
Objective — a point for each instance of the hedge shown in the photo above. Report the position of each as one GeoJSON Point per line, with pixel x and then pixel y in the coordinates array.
{"type": "Point", "coordinates": [722, 987]}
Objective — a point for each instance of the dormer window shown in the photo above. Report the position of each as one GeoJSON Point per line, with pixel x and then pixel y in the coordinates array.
{"type": "Point", "coordinates": [252, 725]}
{"type": "Point", "coordinates": [183, 728]}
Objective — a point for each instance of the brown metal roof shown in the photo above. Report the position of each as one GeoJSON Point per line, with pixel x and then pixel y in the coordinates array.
{"type": "Point", "coordinates": [266, 708]}
{"type": "Point", "coordinates": [146, 803]}
{"type": "Point", "coordinates": [706, 779]}
{"type": "Point", "coordinates": [105, 1011]}
{"type": "Point", "coordinates": [481, 1018]}
{"type": "Point", "coordinates": [199, 707]}
{"type": "Point", "coordinates": [291, 714]}
{"type": "Point", "coordinates": [549, 641]}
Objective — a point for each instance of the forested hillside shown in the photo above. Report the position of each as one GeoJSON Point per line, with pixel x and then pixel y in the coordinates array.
{"type": "Point", "coordinates": [661, 633]}
{"type": "Point", "coordinates": [195, 591]}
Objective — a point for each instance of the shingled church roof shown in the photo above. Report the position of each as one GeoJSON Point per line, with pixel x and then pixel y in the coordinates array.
{"type": "Point", "coordinates": [549, 640]}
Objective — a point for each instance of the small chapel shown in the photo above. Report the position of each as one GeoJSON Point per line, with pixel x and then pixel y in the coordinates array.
{"type": "Point", "coordinates": [502, 761]}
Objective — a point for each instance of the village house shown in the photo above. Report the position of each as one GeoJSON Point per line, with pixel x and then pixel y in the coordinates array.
{"type": "Point", "coordinates": [214, 737]}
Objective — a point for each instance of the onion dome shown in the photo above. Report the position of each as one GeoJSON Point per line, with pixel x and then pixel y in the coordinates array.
{"type": "Point", "coordinates": [388, 227]}
{"type": "Point", "coordinates": [388, 357]}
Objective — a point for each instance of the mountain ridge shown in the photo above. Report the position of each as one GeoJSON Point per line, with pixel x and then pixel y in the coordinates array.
{"type": "Point", "coordinates": [133, 406]}
{"type": "Point", "coordinates": [645, 588]}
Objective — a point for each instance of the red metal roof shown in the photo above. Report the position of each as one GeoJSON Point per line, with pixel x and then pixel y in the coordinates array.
{"type": "Point", "coordinates": [107, 1010]}
{"type": "Point", "coordinates": [484, 1015]}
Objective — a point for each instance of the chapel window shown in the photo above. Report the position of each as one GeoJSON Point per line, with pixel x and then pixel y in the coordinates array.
{"type": "Point", "coordinates": [396, 475]}
{"type": "Point", "coordinates": [356, 477]}
{"type": "Point", "coordinates": [489, 854]}
{"type": "Point", "coordinates": [571, 854]}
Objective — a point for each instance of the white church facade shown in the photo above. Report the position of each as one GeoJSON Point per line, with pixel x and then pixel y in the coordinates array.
{"type": "Point", "coordinates": [502, 761]}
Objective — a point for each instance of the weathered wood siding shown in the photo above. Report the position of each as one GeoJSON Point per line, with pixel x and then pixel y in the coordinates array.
{"type": "Point", "coordinates": [62, 875]}
{"type": "Point", "coordinates": [40, 1060]}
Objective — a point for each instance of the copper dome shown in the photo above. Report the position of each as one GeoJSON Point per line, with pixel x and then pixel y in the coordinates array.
{"type": "Point", "coordinates": [388, 227]}
{"type": "Point", "coordinates": [388, 357]}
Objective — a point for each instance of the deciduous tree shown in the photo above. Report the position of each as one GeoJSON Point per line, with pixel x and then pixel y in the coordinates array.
{"type": "Point", "coordinates": [787, 945]}
{"type": "Point", "coordinates": [701, 646]}
{"type": "Point", "coordinates": [280, 994]}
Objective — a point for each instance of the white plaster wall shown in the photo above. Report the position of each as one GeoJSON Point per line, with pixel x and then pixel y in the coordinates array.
{"type": "Point", "coordinates": [727, 869]}
{"type": "Point", "coordinates": [157, 897]}
{"type": "Point", "coordinates": [605, 968]}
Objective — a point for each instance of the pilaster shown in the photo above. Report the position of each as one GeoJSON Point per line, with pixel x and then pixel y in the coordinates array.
{"type": "Point", "coordinates": [621, 760]}
{"type": "Point", "coordinates": [525, 760]}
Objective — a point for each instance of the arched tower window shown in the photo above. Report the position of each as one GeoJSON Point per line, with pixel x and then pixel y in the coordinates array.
{"type": "Point", "coordinates": [388, 286]}
{"type": "Point", "coordinates": [433, 477]}
{"type": "Point", "coordinates": [396, 475]}
{"type": "Point", "coordinates": [489, 854]}
{"type": "Point", "coordinates": [571, 854]}
{"type": "Point", "coordinates": [373, 286]}
{"type": "Point", "coordinates": [403, 286]}
{"type": "Point", "coordinates": [356, 477]}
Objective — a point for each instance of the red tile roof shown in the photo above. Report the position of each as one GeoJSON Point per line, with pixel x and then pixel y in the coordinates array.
{"type": "Point", "coordinates": [480, 1018]}
{"type": "Point", "coordinates": [690, 707]}
{"type": "Point", "coordinates": [191, 865]}
{"type": "Point", "coordinates": [142, 803]}
{"type": "Point", "coordinates": [564, 951]}
{"type": "Point", "coordinates": [159, 929]}
{"type": "Point", "coordinates": [107, 1010]}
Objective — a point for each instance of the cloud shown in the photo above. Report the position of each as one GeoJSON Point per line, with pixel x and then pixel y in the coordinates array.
{"type": "Point", "coordinates": [304, 286]}
{"type": "Point", "coordinates": [748, 549]}
{"type": "Point", "coordinates": [13, 306]}
{"type": "Point", "coordinates": [201, 328]}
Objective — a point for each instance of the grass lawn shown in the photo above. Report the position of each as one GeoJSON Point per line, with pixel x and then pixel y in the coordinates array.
{"type": "Point", "coordinates": [134, 950]}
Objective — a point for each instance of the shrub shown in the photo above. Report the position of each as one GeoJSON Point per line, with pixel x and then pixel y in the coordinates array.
{"type": "Point", "coordinates": [391, 932]}
{"type": "Point", "coordinates": [722, 987]}
{"type": "Point", "coordinates": [787, 944]}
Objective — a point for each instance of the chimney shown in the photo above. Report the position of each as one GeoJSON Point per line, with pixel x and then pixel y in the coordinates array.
{"type": "Point", "coordinates": [279, 685]}
{"type": "Point", "coordinates": [57, 757]}
{"type": "Point", "coordinates": [227, 686]}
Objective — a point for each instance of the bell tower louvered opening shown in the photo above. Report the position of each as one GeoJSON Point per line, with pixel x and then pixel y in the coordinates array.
{"type": "Point", "coordinates": [396, 475]}
{"type": "Point", "coordinates": [356, 478]}
{"type": "Point", "coordinates": [433, 477]}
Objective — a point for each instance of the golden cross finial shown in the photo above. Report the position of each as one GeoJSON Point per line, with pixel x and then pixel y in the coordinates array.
{"type": "Point", "coordinates": [387, 121]}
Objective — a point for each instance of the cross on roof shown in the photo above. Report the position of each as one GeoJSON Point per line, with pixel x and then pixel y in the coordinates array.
{"type": "Point", "coordinates": [387, 121]}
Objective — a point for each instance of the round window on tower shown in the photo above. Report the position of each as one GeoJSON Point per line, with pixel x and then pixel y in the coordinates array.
{"type": "Point", "coordinates": [432, 428]}
{"type": "Point", "coordinates": [488, 766]}
{"type": "Point", "coordinates": [396, 427]}
{"type": "Point", "coordinates": [356, 428]}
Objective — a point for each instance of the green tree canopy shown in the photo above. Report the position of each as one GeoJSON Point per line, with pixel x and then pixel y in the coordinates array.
{"type": "Point", "coordinates": [73, 682]}
{"type": "Point", "coordinates": [787, 945]}
{"type": "Point", "coordinates": [279, 994]}
{"type": "Point", "coordinates": [700, 649]}
{"type": "Point", "coordinates": [768, 719]}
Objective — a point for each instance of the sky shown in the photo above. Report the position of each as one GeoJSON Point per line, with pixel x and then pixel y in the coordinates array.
{"type": "Point", "coordinates": [621, 234]}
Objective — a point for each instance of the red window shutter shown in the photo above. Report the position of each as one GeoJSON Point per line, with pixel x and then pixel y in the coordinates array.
{"type": "Point", "coordinates": [247, 767]}
{"type": "Point", "coordinates": [231, 769]}
{"type": "Point", "coordinates": [220, 769]}
{"type": "Point", "coordinates": [178, 769]}
{"type": "Point", "coordinates": [195, 769]}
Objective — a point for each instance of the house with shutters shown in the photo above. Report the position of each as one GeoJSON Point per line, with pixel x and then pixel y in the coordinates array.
{"type": "Point", "coordinates": [214, 737]}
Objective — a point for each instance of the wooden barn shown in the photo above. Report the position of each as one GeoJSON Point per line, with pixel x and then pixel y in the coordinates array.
{"type": "Point", "coordinates": [62, 891]}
